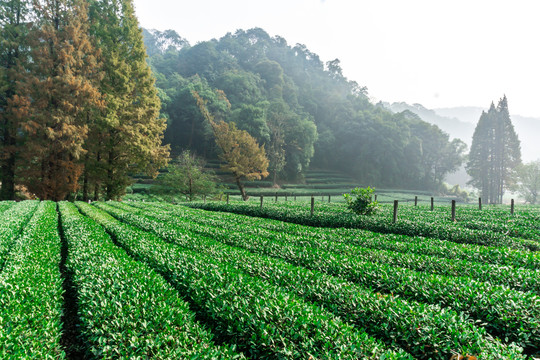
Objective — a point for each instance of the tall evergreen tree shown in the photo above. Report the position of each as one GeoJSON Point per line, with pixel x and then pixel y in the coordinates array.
{"type": "Point", "coordinates": [509, 155]}
{"type": "Point", "coordinates": [59, 89]}
{"type": "Point", "coordinates": [495, 153]}
{"type": "Point", "coordinates": [13, 59]}
{"type": "Point", "coordinates": [128, 132]}
{"type": "Point", "coordinates": [479, 166]}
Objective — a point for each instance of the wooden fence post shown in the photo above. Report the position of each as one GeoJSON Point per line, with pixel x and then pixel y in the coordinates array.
{"type": "Point", "coordinates": [204, 199]}
{"type": "Point", "coordinates": [453, 210]}
{"type": "Point", "coordinates": [395, 211]}
{"type": "Point", "coordinates": [479, 203]}
{"type": "Point", "coordinates": [415, 200]}
{"type": "Point", "coordinates": [227, 199]}
{"type": "Point", "coordinates": [375, 197]}
{"type": "Point", "coordinates": [512, 207]}
{"type": "Point", "coordinates": [294, 197]}
{"type": "Point", "coordinates": [312, 204]}
{"type": "Point", "coordinates": [328, 198]}
{"type": "Point", "coordinates": [262, 201]}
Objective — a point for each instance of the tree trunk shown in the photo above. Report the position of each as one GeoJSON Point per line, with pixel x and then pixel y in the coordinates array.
{"type": "Point", "coordinates": [242, 189]}
{"type": "Point", "coordinates": [110, 177]}
{"type": "Point", "coordinates": [96, 192]}
{"type": "Point", "coordinates": [85, 179]}
{"type": "Point", "coordinates": [191, 134]}
{"type": "Point", "coordinates": [98, 178]}
{"type": "Point", "coordinates": [7, 191]}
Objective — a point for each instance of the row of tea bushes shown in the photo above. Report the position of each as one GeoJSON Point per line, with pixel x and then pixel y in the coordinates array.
{"type": "Point", "coordinates": [264, 320]}
{"type": "Point", "coordinates": [126, 309]}
{"type": "Point", "coordinates": [425, 331]}
{"type": "Point", "coordinates": [337, 216]}
{"type": "Point", "coordinates": [12, 222]}
{"type": "Point", "coordinates": [4, 205]}
{"type": "Point", "coordinates": [368, 239]}
{"type": "Point", "coordinates": [507, 313]}
{"type": "Point", "coordinates": [514, 277]}
{"type": "Point", "coordinates": [31, 303]}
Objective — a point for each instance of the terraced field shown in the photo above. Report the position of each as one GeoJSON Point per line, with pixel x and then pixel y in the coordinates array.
{"type": "Point", "coordinates": [154, 280]}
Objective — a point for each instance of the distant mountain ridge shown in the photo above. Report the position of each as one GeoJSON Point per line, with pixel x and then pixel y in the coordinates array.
{"type": "Point", "coordinates": [468, 114]}
{"type": "Point", "coordinates": [460, 122]}
{"type": "Point", "coordinates": [452, 125]}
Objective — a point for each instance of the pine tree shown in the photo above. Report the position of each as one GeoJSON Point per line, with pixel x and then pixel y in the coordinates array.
{"type": "Point", "coordinates": [495, 153]}
{"type": "Point", "coordinates": [127, 137]}
{"type": "Point", "coordinates": [478, 166]}
{"type": "Point", "coordinates": [13, 60]}
{"type": "Point", "coordinates": [509, 149]}
{"type": "Point", "coordinates": [60, 91]}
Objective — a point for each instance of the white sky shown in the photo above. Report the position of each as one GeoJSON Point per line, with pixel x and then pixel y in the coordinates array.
{"type": "Point", "coordinates": [433, 52]}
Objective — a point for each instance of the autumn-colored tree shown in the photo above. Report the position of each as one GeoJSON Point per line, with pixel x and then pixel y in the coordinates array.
{"type": "Point", "coordinates": [127, 135]}
{"type": "Point", "coordinates": [58, 90]}
{"type": "Point", "coordinates": [243, 157]}
{"type": "Point", "coordinates": [13, 59]}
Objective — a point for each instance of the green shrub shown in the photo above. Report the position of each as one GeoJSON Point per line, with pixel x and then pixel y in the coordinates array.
{"type": "Point", "coordinates": [360, 201]}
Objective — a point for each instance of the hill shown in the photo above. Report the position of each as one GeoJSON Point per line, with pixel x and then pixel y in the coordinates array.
{"type": "Point", "coordinates": [305, 112]}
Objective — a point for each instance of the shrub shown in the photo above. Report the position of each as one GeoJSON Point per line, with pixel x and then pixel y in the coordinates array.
{"type": "Point", "coordinates": [360, 201]}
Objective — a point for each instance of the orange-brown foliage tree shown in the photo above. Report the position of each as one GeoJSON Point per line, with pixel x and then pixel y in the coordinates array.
{"type": "Point", "coordinates": [58, 91]}
{"type": "Point", "coordinates": [243, 157]}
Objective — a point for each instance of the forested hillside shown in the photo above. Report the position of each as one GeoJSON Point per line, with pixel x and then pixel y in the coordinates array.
{"type": "Point", "coordinates": [304, 111]}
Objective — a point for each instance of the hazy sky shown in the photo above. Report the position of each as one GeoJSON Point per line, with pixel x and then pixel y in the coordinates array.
{"type": "Point", "coordinates": [437, 53]}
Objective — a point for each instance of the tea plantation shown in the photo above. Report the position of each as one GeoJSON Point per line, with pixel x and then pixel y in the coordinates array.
{"type": "Point", "coordinates": [213, 280]}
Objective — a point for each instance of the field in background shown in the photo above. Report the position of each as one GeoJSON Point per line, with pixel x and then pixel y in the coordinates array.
{"type": "Point", "coordinates": [317, 183]}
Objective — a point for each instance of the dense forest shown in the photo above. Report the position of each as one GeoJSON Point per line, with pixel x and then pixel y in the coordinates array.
{"type": "Point", "coordinates": [305, 112]}
{"type": "Point", "coordinates": [79, 113]}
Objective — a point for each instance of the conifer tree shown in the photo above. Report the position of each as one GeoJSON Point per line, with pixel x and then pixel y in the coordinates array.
{"type": "Point", "coordinates": [479, 166]}
{"type": "Point", "coordinates": [495, 153]}
{"type": "Point", "coordinates": [13, 59]}
{"type": "Point", "coordinates": [127, 136]}
{"type": "Point", "coordinates": [509, 149]}
{"type": "Point", "coordinates": [59, 89]}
